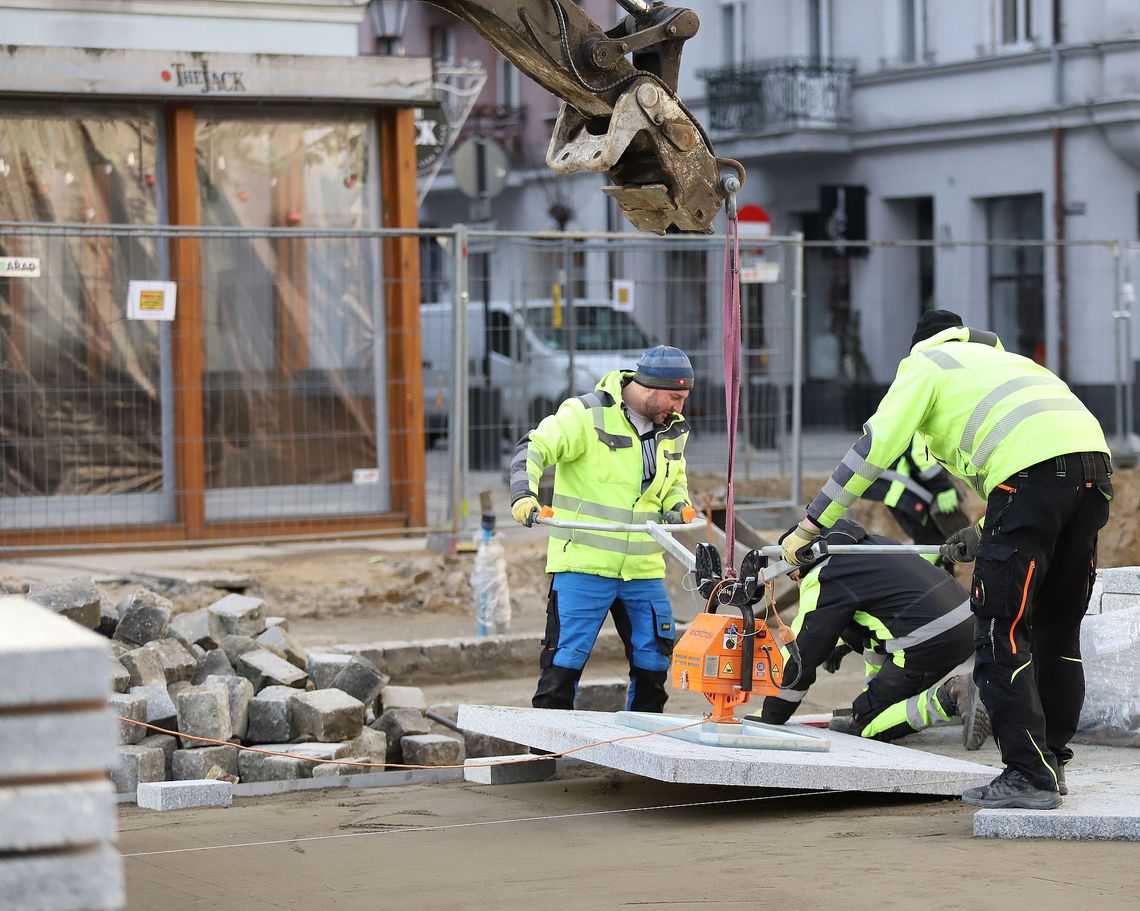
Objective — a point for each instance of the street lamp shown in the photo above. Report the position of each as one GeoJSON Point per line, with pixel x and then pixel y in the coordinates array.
{"type": "Point", "coordinates": [388, 20]}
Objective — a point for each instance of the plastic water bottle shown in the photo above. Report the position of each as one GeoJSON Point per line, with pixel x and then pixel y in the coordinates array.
{"type": "Point", "coordinates": [489, 582]}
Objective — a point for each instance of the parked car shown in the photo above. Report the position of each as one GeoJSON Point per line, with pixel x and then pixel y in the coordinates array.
{"type": "Point", "coordinates": [522, 352]}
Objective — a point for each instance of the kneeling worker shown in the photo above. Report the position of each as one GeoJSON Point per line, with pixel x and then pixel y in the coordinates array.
{"type": "Point", "coordinates": [913, 624]}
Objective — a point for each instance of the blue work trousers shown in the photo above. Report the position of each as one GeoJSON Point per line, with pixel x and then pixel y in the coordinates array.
{"type": "Point", "coordinates": [578, 605]}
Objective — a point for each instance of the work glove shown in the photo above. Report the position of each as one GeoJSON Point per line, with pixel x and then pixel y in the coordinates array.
{"type": "Point", "coordinates": [680, 516]}
{"type": "Point", "coordinates": [524, 509]}
{"type": "Point", "coordinates": [797, 539]}
{"type": "Point", "coordinates": [947, 501]}
{"type": "Point", "coordinates": [831, 665]}
{"type": "Point", "coordinates": [962, 546]}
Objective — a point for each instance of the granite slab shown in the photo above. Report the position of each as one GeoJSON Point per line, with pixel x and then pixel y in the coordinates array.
{"type": "Point", "coordinates": [1102, 805]}
{"type": "Point", "coordinates": [851, 764]}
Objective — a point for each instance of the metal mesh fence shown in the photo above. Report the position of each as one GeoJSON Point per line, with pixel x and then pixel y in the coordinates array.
{"type": "Point", "coordinates": [296, 409]}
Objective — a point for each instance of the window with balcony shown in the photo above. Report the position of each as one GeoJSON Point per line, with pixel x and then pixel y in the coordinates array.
{"type": "Point", "coordinates": [819, 29]}
{"type": "Point", "coordinates": [732, 33]}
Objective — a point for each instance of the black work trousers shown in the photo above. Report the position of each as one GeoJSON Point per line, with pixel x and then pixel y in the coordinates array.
{"type": "Point", "coordinates": [1032, 578]}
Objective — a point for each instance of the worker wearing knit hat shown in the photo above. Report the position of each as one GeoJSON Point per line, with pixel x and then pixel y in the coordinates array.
{"type": "Point", "coordinates": [664, 367]}
{"type": "Point", "coordinates": [619, 458]}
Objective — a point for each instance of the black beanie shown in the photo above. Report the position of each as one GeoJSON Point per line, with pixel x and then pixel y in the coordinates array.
{"type": "Point", "coordinates": [934, 321]}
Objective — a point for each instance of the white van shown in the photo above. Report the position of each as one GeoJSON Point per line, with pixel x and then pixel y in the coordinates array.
{"type": "Point", "coordinates": [526, 355]}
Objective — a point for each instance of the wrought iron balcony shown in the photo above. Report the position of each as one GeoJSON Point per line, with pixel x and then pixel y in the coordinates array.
{"type": "Point", "coordinates": [766, 95]}
{"type": "Point", "coordinates": [501, 123]}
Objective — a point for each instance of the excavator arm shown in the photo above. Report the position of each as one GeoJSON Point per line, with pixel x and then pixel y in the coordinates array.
{"type": "Point", "coordinates": [618, 116]}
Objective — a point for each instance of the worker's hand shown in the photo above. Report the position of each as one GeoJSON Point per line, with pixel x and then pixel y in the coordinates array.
{"type": "Point", "coordinates": [797, 539]}
{"type": "Point", "coordinates": [524, 509]}
{"type": "Point", "coordinates": [947, 501]}
{"type": "Point", "coordinates": [831, 665]}
{"type": "Point", "coordinates": [962, 546]}
{"type": "Point", "coordinates": [682, 516]}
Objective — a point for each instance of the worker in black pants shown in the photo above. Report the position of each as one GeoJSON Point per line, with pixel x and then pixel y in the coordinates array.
{"type": "Point", "coordinates": [1034, 566]}
{"type": "Point", "coordinates": [1019, 436]}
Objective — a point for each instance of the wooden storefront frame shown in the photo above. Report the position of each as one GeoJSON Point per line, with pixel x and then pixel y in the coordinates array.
{"type": "Point", "coordinates": [404, 435]}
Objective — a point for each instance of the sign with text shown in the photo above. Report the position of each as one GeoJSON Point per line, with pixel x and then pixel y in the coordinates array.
{"type": "Point", "coordinates": [151, 300]}
{"type": "Point", "coordinates": [19, 267]}
{"type": "Point", "coordinates": [623, 294]}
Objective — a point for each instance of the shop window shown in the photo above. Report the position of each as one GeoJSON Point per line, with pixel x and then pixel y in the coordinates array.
{"type": "Point", "coordinates": [80, 388]}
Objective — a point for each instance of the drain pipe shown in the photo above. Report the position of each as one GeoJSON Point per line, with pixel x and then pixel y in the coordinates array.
{"type": "Point", "coordinates": [1059, 194]}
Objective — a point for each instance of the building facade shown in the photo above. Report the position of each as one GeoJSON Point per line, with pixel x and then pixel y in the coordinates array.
{"type": "Point", "coordinates": [992, 142]}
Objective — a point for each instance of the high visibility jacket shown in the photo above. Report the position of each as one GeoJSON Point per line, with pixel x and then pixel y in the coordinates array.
{"type": "Point", "coordinates": [598, 478]}
{"type": "Point", "coordinates": [895, 607]}
{"type": "Point", "coordinates": [982, 412]}
{"type": "Point", "coordinates": [916, 472]}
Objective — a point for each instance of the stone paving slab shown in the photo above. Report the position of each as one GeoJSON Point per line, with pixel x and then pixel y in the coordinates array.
{"type": "Point", "coordinates": [46, 659]}
{"type": "Point", "coordinates": [1102, 805]}
{"type": "Point", "coordinates": [184, 795]}
{"type": "Point", "coordinates": [852, 764]}
{"type": "Point", "coordinates": [41, 816]}
{"type": "Point", "coordinates": [78, 880]}
{"type": "Point", "coordinates": [46, 744]}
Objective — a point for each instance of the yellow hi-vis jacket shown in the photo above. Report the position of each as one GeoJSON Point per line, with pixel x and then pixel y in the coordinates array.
{"type": "Point", "coordinates": [983, 412]}
{"type": "Point", "coordinates": [598, 478]}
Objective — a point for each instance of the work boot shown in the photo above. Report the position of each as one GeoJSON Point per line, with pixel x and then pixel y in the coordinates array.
{"type": "Point", "coordinates": [1062, 788]}
{"type": "Point", "coordinates": [967, 704]}
{"type": "Point", "coordinates": [1012, 790]}
{"type": "Point", "coordinates": [844, 722]}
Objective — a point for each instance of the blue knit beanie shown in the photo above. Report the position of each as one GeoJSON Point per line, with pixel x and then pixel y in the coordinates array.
{"type": "Point", "coordinates": [664, 367]}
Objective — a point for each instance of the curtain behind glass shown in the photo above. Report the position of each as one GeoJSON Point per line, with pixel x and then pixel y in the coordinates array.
{"type": "Point", "coordinates": [289, 320]}
{"type": "Point", "coordinates": [79, 384]}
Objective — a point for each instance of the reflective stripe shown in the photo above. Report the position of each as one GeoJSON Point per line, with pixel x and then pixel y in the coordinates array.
{"type": "Point", "coordinates": [796, 696]}
{"type": "Point", "coordinates": [619, 545]}
{"type": "Point", "coordinates": [837, 494]}
{"type": "Point", "coordinates": [932, 472]}
{"type": "Point", "coordinates": [989, 401]}
{"type": "Point", "coordinates": [913, 713]}
{"type": "Point", "coordinates": [1042, 755]}
{"type": "Point", "coordinates": [917, 489]}
{"type": "Point", "coordinates": [1013, 676]}
{"type": "Point", "coordinates": [941, 358]}
{"type": "Point", "coordinates": [861, 466]}
{"type": "Point", "coordinates": [1011, 421]}
{"type": "Point", "coordinates": [1067, 658]}
{"type": "Point", "coordinates": [935, 627]}
{"type": "Point", "coordinates": [600, 511]}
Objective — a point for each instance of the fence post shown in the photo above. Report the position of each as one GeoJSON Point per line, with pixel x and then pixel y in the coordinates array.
{"type": "Point", "coordinates": [1125, 448]}
{"type": "Point", "coordinates": [797, 366]}
{"type": "Point", "coordinates": [457, 420]}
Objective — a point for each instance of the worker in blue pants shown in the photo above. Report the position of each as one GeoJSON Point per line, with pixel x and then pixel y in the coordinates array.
{"type": "Point", "coordinates": [644, 619]}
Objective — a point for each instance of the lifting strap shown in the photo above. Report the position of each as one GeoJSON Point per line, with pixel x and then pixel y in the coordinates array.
{"type": "Point", "coordinates": [732, 328]}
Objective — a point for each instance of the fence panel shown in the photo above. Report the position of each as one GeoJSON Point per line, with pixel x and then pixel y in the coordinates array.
{"type": "Point", "coordinates": [543, 325]}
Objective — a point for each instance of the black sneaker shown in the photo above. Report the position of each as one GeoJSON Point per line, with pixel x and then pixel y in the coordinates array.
{"type": "Point", "coordinates": [1012, 790]}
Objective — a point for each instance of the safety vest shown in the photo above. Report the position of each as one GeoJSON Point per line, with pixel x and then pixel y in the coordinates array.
{"type": "Point", "coordinates": [983, 413]}
{"type": "Point", "coordinates": [598, 478]}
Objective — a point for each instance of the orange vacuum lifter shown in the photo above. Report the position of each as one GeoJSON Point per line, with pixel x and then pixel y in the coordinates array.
{"type": "Point", "coordinates": [728, 659]}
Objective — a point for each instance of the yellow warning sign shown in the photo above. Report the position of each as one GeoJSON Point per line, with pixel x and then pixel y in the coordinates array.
{"type": "Point", "coordinates": [152, 300]}
{"type": "Point", "coordinates": [727, 669]}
